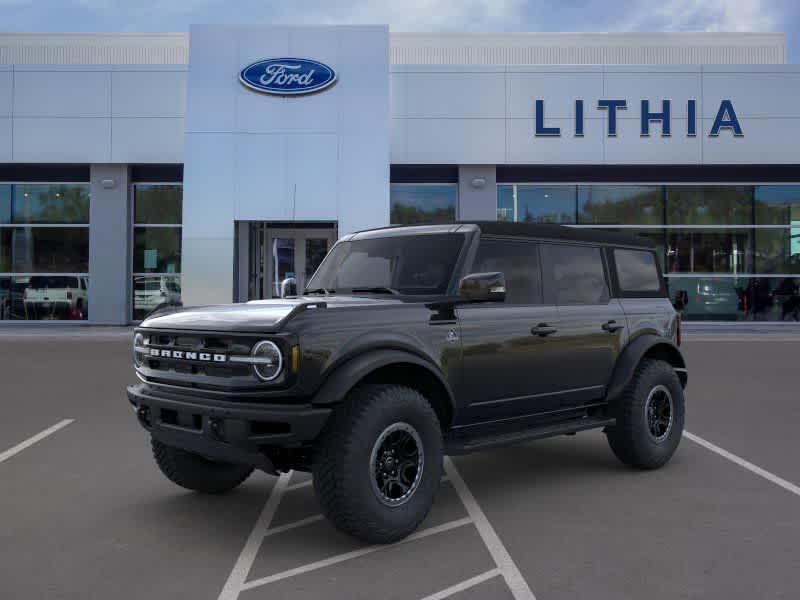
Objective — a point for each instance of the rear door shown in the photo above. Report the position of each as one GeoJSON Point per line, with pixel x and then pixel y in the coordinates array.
{"type": "Point", "coordinates": [508, 369]}
{"type": "Point", "coordinates": [592, 325]}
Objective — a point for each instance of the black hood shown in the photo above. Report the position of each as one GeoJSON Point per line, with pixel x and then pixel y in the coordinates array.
{"type": "Point", "coordinates": [257, 315]}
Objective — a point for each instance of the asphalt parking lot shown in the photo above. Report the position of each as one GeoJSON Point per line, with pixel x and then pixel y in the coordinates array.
{"type": "Point", "coordinates": [84, 513]}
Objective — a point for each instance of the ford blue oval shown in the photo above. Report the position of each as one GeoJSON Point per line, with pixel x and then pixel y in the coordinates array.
{"type": "Point", "coordinates": [287, 76]}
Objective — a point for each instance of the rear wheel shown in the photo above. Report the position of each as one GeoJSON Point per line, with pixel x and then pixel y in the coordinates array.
{"type": "Point", "coordinates": [197, 473]}
{"type": "Point", "coordinates": [650, 415]}
{"type": "Point", "coordinates": [378, 463]}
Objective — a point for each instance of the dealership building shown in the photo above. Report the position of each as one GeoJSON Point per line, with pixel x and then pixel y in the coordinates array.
{"type": "Point", "coordinates": [144, 170]}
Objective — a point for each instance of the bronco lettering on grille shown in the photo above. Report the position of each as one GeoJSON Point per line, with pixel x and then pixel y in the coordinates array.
{"type": "Point", "coordinates": [181, 354]}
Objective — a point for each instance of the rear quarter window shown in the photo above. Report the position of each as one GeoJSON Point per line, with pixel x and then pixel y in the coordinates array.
{"type": "Point", "coordinates": [637, 271]}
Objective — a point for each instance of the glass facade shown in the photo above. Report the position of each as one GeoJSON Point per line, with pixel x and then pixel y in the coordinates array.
{"type": "Point", "coordinates": [416, 203]}
{"type": "Point", "coordinates": [156, 247]}
{"type": "Point", "coordinates": [735, 249]}
{"type": "Point", "coordinates": [44, 251]}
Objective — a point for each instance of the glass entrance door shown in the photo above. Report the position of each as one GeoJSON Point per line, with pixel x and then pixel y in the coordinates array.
{"type": "Point", "coordinates": [283, 259]}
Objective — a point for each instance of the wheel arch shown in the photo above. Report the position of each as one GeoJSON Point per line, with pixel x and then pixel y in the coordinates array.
{"type": "Point", "coordinates": [390, 366]}
{"type": "Point", "coordinates": [644, 347]}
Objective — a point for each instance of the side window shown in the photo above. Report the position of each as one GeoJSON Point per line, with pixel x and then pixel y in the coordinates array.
{"type": "Point", "coordinates": [518, 261]}
{"type": "Point", "coordinates": [575, 274]}
{"type": "Point", "coordinates": [637, 271]}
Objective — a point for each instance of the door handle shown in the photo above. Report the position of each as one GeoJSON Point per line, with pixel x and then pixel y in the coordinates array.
{"type": "Point", "coordinates": [543, 329]}
{"type": "Point", "coordinates": [611, 326]}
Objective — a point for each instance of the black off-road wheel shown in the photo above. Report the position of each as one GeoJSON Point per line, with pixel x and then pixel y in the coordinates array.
{"type": "Point", "coordinates": [378, 463]}
{"type": "Point", "coordinates": [650, 417]}
{"type": "Point", "coordinates": [197, 473]}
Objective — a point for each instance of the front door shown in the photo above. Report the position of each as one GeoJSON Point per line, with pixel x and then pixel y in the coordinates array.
{"type": "Point", "coordinates": [284, 257]}
{"type": "Point", "coordinates": [509, 368]}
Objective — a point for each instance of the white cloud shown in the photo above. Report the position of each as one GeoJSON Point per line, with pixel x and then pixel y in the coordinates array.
{"type": "Point", "coordinates": [705, 15]}
{"type": "Point", "coordinates": [415, 15]}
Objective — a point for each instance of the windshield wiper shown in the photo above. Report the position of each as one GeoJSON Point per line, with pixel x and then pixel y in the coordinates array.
{"type": "Point", "coordinates": [375, 290]}
{"type": "Point", "coordinates": [320, 290]}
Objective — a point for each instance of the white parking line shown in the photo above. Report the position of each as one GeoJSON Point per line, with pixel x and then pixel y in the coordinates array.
{"type": "Point", "coordinates": [293, 525]}
{"type": "Point", "coordinates": [354, 554]}
{"type": "Point", "coordinates": [299, 486]}
{"type": "Point", "coordinates": [233, 586]}
{"type": "Point", "coordinates": [516, 583]}
{"type": "Point", "coordinates": [464, 585]}
{"type": "Point", "coordinates": [771, 477]}
{"type": "Point", "coordinates": [33, 439]}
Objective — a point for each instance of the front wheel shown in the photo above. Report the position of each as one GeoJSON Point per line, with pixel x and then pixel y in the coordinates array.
{"type": "Point", "coordinates": [378, 463]}
{"type": "Point", "coordinates": [650, 416]}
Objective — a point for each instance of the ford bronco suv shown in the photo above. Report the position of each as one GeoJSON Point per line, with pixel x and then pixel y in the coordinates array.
{"type": "Point", "coordinates": [410, 343]}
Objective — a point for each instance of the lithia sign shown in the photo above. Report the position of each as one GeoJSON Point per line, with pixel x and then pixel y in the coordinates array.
{"type": "Point", "coordinates": [726, 119]}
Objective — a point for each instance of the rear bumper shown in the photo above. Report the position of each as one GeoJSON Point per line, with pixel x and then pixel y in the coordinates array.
{"type": "Point", "coordinates": [226, 431]}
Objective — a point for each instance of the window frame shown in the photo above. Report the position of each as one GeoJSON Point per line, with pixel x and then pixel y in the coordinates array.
{"type": "Point", "coordinates": [438, 184]}
{"type": "Point", "coordinates": [618, 290]}
{"type": "Point", "coordinates": [132, 226]}
{"type": "Point", "coordinates": [548, 283]}
{"type": "Point", "coordinates": [516, 240]}
{"type": "Point", "coordinates": [84, 277]}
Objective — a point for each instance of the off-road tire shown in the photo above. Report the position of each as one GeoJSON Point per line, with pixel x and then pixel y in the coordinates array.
{"type": "Point", "coordinates": [343, 469]}
{"type": "Point", "coordinates": [194, 472]}
{"type": "Point", "coordinates": [630, 438]}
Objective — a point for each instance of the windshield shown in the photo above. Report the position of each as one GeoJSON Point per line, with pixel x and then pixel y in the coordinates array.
{"type": "Point", "coordinates": [406, 264]}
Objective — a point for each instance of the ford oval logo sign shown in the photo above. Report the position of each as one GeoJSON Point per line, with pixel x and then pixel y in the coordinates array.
{"type": "Point", "coordinates": [287, 76]}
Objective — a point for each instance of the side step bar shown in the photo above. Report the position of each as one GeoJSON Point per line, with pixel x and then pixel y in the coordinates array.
{"type": "Point", "coordinates": [473, 444]}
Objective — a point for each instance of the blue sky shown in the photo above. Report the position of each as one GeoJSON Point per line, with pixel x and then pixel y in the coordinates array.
{"type": "Point", "coordinates": [414, 15]}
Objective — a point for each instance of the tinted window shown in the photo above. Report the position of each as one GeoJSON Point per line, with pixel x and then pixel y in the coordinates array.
{"type": "Point", "coordinates": [410, 264]}
{"type": "Point", "coordinates": [576, 274]}
{"type": "Point", "coordinates": [519, 263]}
{"type": "Point", "coordinates": [422, 203]}
{"type": "Point", "coordinates": [636, 271]}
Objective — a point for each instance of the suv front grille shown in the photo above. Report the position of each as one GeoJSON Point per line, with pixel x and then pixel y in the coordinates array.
{"type": "Point", "coordinates": [198, 360]}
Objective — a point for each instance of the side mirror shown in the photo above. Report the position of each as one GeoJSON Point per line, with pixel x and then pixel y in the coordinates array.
{"type": "Point", "coordinates": [483, 287]}
{"type": "Point", "coordinates": [681, 300]}
{"type": "Point", "coordinates": [288, 287]}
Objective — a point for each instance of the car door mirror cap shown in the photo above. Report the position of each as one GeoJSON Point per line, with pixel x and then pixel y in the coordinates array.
{"type": "Point", "coordinates": [483, 287]}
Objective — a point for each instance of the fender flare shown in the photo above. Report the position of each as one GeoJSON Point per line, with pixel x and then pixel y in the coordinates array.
{"type": "Point", "coordinates": [632, 355]}
{"type": "Point", "coordinates": [346, 375]}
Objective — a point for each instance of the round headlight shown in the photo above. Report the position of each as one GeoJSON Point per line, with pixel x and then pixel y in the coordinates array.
{"type": "Point", "coordinates": [267, 360]}
{"type": "Point", "coordinates": [138, 342]}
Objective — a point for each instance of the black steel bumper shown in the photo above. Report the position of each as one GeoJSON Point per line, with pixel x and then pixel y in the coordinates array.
{"type": "Point", "coordinates": [226, 431]}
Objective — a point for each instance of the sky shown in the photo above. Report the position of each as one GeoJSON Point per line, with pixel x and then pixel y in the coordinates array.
{"type": "Point", "coordinates": [414, 15]}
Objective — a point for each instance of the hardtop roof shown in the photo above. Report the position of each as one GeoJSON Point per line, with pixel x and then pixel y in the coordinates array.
{"type": "Point", "coordinates": [524, 230]}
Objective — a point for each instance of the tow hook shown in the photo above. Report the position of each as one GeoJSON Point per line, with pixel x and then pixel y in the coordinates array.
{"type": "Point", "coordinates": [143, 414]}
{"type": "Point", "coordinates": [216, 428]}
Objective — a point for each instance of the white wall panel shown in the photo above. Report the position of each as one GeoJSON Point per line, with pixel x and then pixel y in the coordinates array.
{"type": "Point", "coordinates": [62, 93]}
{"type": "Point", "coordinates": [753, 94]}
{"type": "Point", "coordinates": [79, 140]}
{"type": "Point", "coordinates": [148, 93]}
{"type": "Point", "coordinates": [455, 95]}
{"type": "Point", "coordinates": [524, 147]}
{"type": "Point", "coordinates": [5, 139]}
{"type": "Point", "coordinates": [629, 148]}
{"type": "Point", "coordinates": [765, 141]}
{"type": "Point", "coordinates": [311, 168]}
{"type": "Point", "coordinates": [147, 140]}
{"type": "Point", "coordinates": [210, 89]}
{"type": "Point", "coordinates": [363, 193]}
{"type": "Point", "coordinates": [263, 197]}
{"type": "Point", "coordinates": [634, 87]}
{"type": "Point", "coordinates": [209, 181]}
{"type": "Point", "coordinates": [455, 141]}
{"type": "Point", "coordinates": [6, 87]}
{"type": "Point", "coordinates": [558, 90]}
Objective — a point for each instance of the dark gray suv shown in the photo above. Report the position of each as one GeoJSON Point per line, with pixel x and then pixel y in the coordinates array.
{"type": "Point", "coordinates": [410, 343]}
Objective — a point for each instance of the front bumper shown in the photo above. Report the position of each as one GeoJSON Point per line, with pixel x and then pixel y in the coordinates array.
{"type": "Point", "coordinates": [226, 431]}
